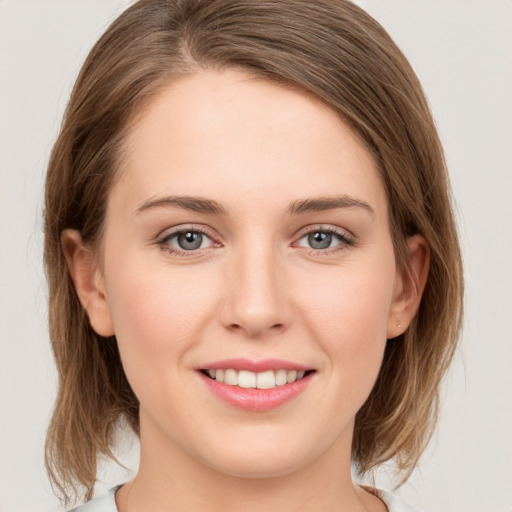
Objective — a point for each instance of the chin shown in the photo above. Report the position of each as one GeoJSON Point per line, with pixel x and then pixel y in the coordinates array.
{"type": "Point", "coordinates": [256, 468]}
{"type": "Point", "coordinates": [270, 459]}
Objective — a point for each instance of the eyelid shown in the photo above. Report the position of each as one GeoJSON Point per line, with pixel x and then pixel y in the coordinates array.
{"type": "Point", "coordinates": [168, 234]}
{"type": "Point", "coordinates": [330, 228]}
{"type": "Point", "coordinates": [346, 237]}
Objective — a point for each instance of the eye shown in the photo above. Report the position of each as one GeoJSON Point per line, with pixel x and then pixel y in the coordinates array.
{"type": "Point", "coordinates": [320, 240]}
{"type": "Point", "coordinates": [324, 239]}
{"type": "Point", "coordinates": [189, 240]}
{"type": "Point", "coordinates": [186, 240]}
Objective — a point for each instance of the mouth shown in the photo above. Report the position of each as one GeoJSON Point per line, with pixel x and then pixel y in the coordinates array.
{"type": "Point", "coordinates": [256, 386]}
{"type": "Point", "coordinates": [256, 380]}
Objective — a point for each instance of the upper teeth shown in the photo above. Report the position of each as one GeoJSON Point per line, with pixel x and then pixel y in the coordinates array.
{"type": "Point", "coordinates": [263, 380]}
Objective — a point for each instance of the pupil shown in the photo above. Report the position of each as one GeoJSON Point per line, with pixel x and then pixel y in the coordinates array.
{"type": "Point", "coordinates": [190, 240]}
{"type": "Point", "coordinates": [320, 240]}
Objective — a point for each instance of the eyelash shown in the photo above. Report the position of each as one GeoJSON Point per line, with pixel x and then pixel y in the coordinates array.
{"type": "Point", "coordinates": [165, 246]}
{"type": "Point", "coordinates": [345, 239]}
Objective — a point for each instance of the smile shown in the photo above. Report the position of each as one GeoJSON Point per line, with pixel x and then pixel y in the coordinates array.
{"type": "Point", "coordinates": [262, 380]}
{"type": "Point", "coordinates": [256, 386]}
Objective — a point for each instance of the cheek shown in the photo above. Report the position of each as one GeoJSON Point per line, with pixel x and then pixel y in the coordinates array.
{"type": "Point", "coordinates": [348, 317]}
{"type": "Point", "coordinates": [157, 312]}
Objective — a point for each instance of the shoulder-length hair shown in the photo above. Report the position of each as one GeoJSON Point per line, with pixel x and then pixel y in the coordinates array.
{"type": "Point", "coordinates": [334, 51]}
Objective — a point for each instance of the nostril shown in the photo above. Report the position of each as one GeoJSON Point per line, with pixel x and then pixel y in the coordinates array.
{"type": "Point", "coordinates": [256, 330]}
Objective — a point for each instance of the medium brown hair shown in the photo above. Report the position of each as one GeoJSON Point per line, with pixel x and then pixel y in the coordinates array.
{"type": "Point", "coordinates": [328, 48]}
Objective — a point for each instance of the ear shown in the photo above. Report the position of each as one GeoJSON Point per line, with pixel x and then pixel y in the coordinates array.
{"type": "Point", "coordinates": [88, 281]}
{"type": "Point", "coordinates": [409, 285]}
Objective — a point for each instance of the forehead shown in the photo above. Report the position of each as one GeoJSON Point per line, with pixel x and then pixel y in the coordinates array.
{"type": "Point", "coordinates": [240, 138]}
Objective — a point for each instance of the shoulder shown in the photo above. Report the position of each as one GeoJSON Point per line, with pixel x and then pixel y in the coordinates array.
{"type": "Point", "coordinates": [105, 503]}
{"type": "Point", "coordinates": [394, 503]}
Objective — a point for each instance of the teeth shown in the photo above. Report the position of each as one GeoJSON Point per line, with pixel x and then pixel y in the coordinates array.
{"type": "Point", "coordinates": [292, 376]}
{"type": "Point", "coordinates": [281, 377]}
{"type": "Point", "coordinates": [266, 380]}
{"type": "Point", "coordinates": [246, 379]}
{"type": "Point", "coordinates": [263, 380]}
{"type": "Point", "coordinates": [231, 377]}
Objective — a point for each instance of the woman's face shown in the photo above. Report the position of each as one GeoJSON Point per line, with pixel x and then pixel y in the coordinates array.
{"type": "Point", "coordinates": [247, 239]}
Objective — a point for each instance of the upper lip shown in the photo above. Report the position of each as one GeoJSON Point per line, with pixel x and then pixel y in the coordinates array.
{"type": "Point", "coordinates": [255, 366]}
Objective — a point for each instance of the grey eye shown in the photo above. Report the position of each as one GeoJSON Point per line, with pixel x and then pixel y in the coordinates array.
{"type": "Point", "coordinates": [186, 240]}
{"type": "Point", "coordinates": [189, 240]}
{"type": "Point", "coordinates": [319, 240]}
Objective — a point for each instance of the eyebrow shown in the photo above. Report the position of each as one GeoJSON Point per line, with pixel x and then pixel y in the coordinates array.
{"type": "Point", "coordinates": [301, 206]}
{"type": "Point", "coordinates": [319, 204]}
{"type": "Point", "coordinates": [195, 204]}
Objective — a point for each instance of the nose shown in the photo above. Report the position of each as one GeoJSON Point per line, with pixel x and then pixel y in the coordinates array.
{"type": "Point", "coordinates": [256, 302]}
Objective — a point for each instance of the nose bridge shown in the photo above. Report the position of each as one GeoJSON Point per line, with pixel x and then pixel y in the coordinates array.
{"type": "Point", "coordinates": [256, 301]}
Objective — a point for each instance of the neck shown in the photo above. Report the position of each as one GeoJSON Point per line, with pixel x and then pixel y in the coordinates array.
{"type": "Point", "coordinates": [170, 479]}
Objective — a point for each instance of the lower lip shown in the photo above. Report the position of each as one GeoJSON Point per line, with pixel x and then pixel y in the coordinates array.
{"type": "Point", "coordinates": [257, 400]}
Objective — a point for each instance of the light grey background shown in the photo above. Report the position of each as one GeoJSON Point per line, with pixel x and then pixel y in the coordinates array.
{"type": "Point", "coordinates": [462, 51]}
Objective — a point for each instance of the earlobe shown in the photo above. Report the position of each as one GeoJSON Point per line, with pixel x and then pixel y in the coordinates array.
{"type": "Point", "coordinates": [88, 281]}
{"type": "Point", "coordinates": [409, 285]}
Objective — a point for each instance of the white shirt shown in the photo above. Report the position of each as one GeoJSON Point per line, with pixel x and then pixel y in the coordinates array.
{"type": "Point", "coordinates": [107, 503]}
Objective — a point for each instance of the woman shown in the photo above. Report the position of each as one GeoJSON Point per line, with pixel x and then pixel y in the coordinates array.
{"type": "Point", "coordinates": [251, 206]}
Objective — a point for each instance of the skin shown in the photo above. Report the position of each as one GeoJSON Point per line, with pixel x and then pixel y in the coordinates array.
{"type": "Point", "coordinates": [256, 289]}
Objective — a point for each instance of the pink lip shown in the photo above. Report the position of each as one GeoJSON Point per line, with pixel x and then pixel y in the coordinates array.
{"type": "Point", "coordinates": [256, 400]}
{"type": "Point", "coordinates": [254, 366]}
